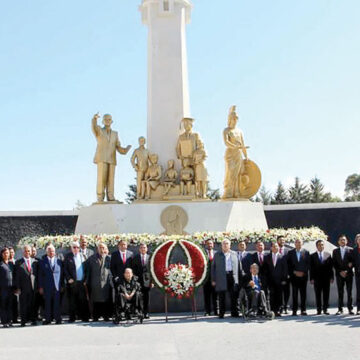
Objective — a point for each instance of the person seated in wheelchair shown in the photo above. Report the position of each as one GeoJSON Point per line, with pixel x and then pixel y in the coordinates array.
{"type": "Point", "coordinates": [129, 302]}
{"type": "Point", "coordinates": [255, 292]}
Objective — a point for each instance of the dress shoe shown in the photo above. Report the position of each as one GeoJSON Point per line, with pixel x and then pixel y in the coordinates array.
{"type": "Point", "coordinates": [318, 312]}
{"type": "Point", "coordinates": [22, 325]}
{"type": "Point", "coordinates": [339, 312]}
{"type": "Point", "coordinates": [70, 321]}
{"type": "Point", "coordinates": [277, 314]}
{"type": "Point", "coordinates": [206, 314]}
{"type": "Point", "coordinates": [216, 313]}
{"type": "Point", "coordinates": [221, 316]}
{"type": "Point", "coordinates": [358, 312]}
{"type": "Point", "coordinates": [351, 312]}
{"type": "Point", "coordinates": [33, 323]}
{"type": "Point", "coordinates": [46, 322]}
{"type": "Point", "coordinates": [106, 319]}
{"type": "Point", "coordinates": [234, 315]}
{"type": "Point", "coordinates": [5, 325]}
{"type": "Point", "coordinates": [304, 313]}
{"type": "Point", "coordinates": [58, 322]}
{"type": "Point", "coordinates": [326, 312]}
{"type": "Point", "coordinates": [294, 313]}
{"type": "Point", "coordinates": [146, 316]}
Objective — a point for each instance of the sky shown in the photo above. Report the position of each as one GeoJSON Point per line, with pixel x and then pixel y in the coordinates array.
{"type": "Point", "coordinates": [291, 67]}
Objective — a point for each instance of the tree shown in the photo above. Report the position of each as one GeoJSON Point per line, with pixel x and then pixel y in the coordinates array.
{"type": "Point", "coordinates": [131, 194]}
{"type": "Point", "coordinates": [79, 205]}
{"type": "Point", "coordinates": [264, 196]}
{"type": "Point", "coordinates": [298, 193]}
{"type": "Point", "coordinates": [316, 192]}
{"type": "Point", "coordinates": [352, 187]}
{"type": "Point", "coordinates": [280, 196]}
{"type": "Point", "coordinates": [213, 194]}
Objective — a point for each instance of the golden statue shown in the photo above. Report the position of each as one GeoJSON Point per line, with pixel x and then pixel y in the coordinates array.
{"type": "Point", "coordinates": [242, 176]}
{"type": "Point", "coordinates": [140, 162]}
{"type": "Point", "coordinates": [170, 177]}
{"type": "Point", "coordinates": [105, 156]}
{"type": "Point", "coordinates": [186, 177]}
{"type": "Point", "coordinates": [152, 177]}
{"type": "Point", "coordinates": [187, 141]}
{"type": "Point", "coordinates": [201, 175]}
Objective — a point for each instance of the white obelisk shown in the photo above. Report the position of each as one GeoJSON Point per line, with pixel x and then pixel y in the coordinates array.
{"type": "Point", "coordinates": [168, 92]}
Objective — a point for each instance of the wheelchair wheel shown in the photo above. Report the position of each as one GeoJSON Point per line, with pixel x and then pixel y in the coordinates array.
{"type": "Point", "coordinates": [270, 315]}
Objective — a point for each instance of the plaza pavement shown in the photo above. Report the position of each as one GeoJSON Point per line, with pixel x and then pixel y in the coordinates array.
{"type": "Point", "coordinates": [309, 338]}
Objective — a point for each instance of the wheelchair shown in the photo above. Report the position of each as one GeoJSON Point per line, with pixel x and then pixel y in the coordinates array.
{"type": "Point", "coordinates": [128, 311]}
{"type": "Point", "coordinates": [255, 305]}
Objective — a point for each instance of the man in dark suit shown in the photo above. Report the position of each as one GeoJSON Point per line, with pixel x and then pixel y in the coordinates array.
{"type": "Point", "coordinates": [38, 299]}
{"type": "Point", "coordinates": [285, 287]}
{"type": "Point", "coordinates": [74, 272]}
{"type": "Point", "coordinates": [14, 296]}
{"type": "Point", "coordinates": [84, 250]}
{"type": "Point", "coordinates": [225, 277]}
{"type": "Point", "coordinates": [298, 267]}
{"type": "Point", "coordinates": [342, 260]}
{"type": "Point", "coordinates": [25, 284]}
{"type": "Point", "coordinates": [245, 257]}
{"type": "Point", "coordinates": [141, 269]}
{"type": "Point", "coordinates": [121, 259]}
{"type": "Point", "coordinates": [275, 269]}
{"type": "Point", "coordinates": [210, 295]}
{"type": "Point", "coordinates": [6, 288]}
{"type": "Point", "coordinates": [321, 275]}
{"type": "Point", "coordinates": [51, 283]}
{"type": "Point", "coordinates": [254, 290]}
{"type": "Point", "coordinates": [356, 261]}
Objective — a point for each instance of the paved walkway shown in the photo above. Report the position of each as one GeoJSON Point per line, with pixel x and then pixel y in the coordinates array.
{"type": "Point", "coordinates": [311, 337]}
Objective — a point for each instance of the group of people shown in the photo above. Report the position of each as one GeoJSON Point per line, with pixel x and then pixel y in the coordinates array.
{"type": "Point", "coordinates": [266, 277]}
{"type": "Point", "coordinates": [98, 285]}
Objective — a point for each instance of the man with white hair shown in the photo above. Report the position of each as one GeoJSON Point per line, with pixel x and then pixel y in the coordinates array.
{"type": "Point", "coordinates": [225, 270]}
{"type": "Point", "coordinates": [74, 272]}
{"type": "Point", "coordinates": [51, 281]}
{"type": "Point", "coordinates": [25, 276]}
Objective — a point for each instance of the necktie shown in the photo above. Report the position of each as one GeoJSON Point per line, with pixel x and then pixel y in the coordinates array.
{"type": "Point", "coordinates": [274, 260]}
{"type": "Point", "coordinates": [240, 256]}
{"type": "Point", "coordinates": [280, 250]}
{"type": "Point", "coordinates": [342, 254]}
{"type": "Point", "coordinates": [210, 255]}
{"type": "Point", "coordinates": [320, 257]}
{"type": "Point", "coordinates": [124, 258]}
{"type": "Point", "coordinates": [28, 265]}
{"type": "Point", "coordinates": [261, 259]}
{"type": "Point", "coordinates": [143, 260]}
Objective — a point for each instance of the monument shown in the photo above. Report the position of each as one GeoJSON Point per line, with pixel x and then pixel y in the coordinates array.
{"type": "Point", "coordinates": [172, 178]}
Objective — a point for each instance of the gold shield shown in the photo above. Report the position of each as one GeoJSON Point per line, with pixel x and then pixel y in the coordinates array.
{"type": "Point", "coordinates": [250, 179]}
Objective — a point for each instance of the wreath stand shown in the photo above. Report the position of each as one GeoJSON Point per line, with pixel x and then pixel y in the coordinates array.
{"type": "Point", "coordinates": [193, 306]}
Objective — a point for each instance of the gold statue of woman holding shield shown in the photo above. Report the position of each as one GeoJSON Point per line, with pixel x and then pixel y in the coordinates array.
{"type": "Point", "coordinates": [242, 176]}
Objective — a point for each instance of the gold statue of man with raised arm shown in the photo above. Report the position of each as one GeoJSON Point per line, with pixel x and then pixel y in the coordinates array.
{"type": "Point", "coordinates": [105, 156]}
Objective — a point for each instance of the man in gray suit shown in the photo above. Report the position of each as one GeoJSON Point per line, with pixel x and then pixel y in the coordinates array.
{"type": "Point", "coordinates": [225, 277]}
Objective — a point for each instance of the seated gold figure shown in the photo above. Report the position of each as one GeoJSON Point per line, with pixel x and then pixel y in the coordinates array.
{"type": "Point", "coordinates": [170, 177]}
{"type": "Point", "coordinates": [186, 177]}
{"type": "Point", "coordinates": [152, 176]}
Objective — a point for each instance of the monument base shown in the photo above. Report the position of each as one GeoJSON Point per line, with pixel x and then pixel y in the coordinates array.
{"type": "Point", "coordinates": [182, 217]}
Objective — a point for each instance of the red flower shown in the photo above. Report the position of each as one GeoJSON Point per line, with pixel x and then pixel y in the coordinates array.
{"type": "Point", "coordinates": [267, 230]}
{"type": "Point", "coordinates": [180, 267]}
{"type": "Point", "coordinates": [172, 295]}
{"type": "Point", "coordinates": [166, 282]}
{"type": "Point", "coordinates": [179, 297]}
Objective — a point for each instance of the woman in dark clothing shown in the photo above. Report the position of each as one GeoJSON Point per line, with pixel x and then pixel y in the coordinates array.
{"type": "Point", "coordinates": [6, 288]}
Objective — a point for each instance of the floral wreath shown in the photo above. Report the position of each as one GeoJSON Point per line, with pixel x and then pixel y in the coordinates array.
{"type": "Point", "coordinates": [177, 279]}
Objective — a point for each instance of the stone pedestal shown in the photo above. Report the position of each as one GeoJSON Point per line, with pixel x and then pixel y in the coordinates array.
{"type": "Point", "coordinates": [146, 217]}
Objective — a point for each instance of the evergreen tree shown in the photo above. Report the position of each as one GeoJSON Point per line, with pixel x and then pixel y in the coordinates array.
{"type": "Point", "coordinates": [316, 192]}
{"type": "Point", "coordinates": [298, 193]}
{"type": "Point", "coordinates": [264, 196]}
{"type": "Point", "coordinates": [131, 194]}
{"type": "Point", "coordinates": [280, 196]}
